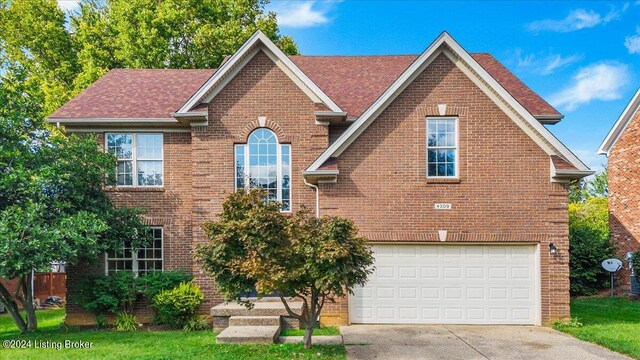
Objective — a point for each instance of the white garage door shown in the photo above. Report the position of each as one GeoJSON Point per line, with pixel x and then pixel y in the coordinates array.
{"type": "Point", "coordinates": [449, 284]}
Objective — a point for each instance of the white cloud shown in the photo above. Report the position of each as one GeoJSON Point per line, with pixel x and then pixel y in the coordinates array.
{"type": "Point", "coordinates": [577, 20]}
{"type": "Point", "coordinates": [632, 42]}
{"type": "Point", "coordinates": [601, 81]}
{"type": "Point", "coordinates": [301, 14]}
{"type": "Point", "coordinates": [69, 5]}
{"type": "Point", "coordinates": [543, 63]}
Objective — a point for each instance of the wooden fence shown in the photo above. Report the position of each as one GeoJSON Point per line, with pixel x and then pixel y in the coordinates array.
{"type": "Point", "coordinates": [50, 284]}
{"type": "Point", "coordinates": [44, 285]}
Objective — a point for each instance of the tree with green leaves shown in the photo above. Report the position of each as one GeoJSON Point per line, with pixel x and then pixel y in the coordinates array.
{"type": "Point", "coordinates": [595, 187]}
{"type": "Point", "coordinates": [301, 257]}
{"type": "Point", "coordinates": [65, 56]}
{"type": "Point", "coordinates": [589, 245]}
{"type": "Point", "coordinates": [52, 201]}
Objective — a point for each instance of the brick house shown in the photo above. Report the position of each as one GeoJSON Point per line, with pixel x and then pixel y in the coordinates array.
{"type": "Point", "coordinates": [442, 160]}
{"type": "Point", "coordinates": [621, 148]}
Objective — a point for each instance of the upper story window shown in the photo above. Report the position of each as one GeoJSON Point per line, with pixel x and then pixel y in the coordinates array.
{"type": "Point", "coordinates": [139, 158]}
{"type": "Point", "coordinates": [265, 163]}
{"type": "Point", "coordinates": [140, 262]}
{"type": "Point", "coordinates": [442, 147]}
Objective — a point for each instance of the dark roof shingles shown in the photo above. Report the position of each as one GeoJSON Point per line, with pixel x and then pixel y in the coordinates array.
{"type": "Point", "coordinates": [130, 93]}
{"type": "Point", "coordinates": [353, 82]}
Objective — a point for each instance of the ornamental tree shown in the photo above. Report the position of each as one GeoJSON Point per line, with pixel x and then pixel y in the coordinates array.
{"type": "Point", "coordinates": [52, 201]}
{"type": "Point", "coordinates": [298, 258]}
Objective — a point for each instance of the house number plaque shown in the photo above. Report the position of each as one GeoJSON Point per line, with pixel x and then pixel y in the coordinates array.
{"type": "Point", "coordinates": [442, 206]}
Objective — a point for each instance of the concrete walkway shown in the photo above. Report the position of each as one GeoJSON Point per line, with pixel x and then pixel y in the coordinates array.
{"type": "Point", "coordinates": [467, 342]}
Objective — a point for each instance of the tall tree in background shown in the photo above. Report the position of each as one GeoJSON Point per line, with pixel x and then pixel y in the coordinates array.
{"type": "Point", "coordinates": [596, 187]}
{"type": "Point", "coordinates": [52, 203]}
{"type": "Point", "coordinates": [66, 57]}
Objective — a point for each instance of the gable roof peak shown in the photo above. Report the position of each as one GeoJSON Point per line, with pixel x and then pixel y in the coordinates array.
{"type": "Point", "coordinates": [229, 68]}
{"type": "Point", "coordinates": [618, 128]}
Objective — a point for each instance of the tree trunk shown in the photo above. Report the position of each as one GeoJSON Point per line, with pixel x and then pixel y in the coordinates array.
{"type": "Point", "coordinates": [308, 331]}
{"type": "Point", "coordinates": [12, 308]}
{"type": "Point", "coordinates": [32, 320]}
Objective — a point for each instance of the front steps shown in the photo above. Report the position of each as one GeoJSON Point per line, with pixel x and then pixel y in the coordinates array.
{"type": "Point", "coordinates": [258, 325]}
{"type": "Point", "coordinates": [249, 335]}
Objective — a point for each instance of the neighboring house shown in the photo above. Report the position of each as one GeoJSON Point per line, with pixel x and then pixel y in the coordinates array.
{"type": "Point", "coordinates": [622, 148]}
{"type": "Point", "coordinates": [441, 159]}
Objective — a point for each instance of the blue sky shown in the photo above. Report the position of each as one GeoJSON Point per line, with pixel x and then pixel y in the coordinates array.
{"type": "Point", "coordinates": [583, 57]}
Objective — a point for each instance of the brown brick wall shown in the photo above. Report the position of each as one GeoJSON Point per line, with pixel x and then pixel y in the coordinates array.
{"type": "Point", "coordinates": [624, 195]}
{"type": "Point", "coordinates": [504, 193]}
{"type": "Point", "coordinates": [168, 207]}
{"type": "Point", "coordinates": [260, 89]}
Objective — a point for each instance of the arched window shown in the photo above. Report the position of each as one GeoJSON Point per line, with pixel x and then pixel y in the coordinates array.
{"type": "Point", "coordinates": [265, 163]}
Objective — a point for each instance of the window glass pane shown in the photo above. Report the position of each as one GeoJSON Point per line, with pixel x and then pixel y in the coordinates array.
{"type": "Point", "coordinates": [124, 173]}
{"type": "Point", "coordinates": [149, 146]}
{"type": "Point", "coordinates": [149, 173]}
{"type": "Point", "coordinates": [441, 147]}
{"type": "Point", "coordinates": [240, 166]}
{"type": "Point", "coordinates": [120, 145]}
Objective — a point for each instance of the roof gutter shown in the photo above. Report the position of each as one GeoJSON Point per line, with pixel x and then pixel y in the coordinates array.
{"type": "Point", "coordinates": [549, 119]}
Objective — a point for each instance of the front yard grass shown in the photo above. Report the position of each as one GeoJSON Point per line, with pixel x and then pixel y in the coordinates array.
{"type": "Point", "coordinates": [611, 322]}
{"type": "Point", "coordinates": [319, 331]}
{"type": "Point", "coordinates": [145, 344]}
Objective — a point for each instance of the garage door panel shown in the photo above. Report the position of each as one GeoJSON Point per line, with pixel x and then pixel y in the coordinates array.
{"type": "Point", "coordinates": [454, 284]}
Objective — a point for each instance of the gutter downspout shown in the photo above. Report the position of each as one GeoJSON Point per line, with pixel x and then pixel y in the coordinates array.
{"type": "Point", "coordinates": [317, 194]}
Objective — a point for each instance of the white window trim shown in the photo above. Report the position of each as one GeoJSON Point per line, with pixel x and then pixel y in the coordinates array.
{"type": "Point", "coordinates": [134, 255]}
{"type": "Point", "coordinates": [134, 157]}
{"type": "Point", "coordinates": [456, 148]}
{"type": "Point", "coordinates": [279, 167]}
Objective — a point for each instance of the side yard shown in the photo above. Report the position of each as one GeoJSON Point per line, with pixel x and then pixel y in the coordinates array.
{"type": "Point", "coordinates": [145, 344]}
{"type": "Point", "coordinates": [611, 322]}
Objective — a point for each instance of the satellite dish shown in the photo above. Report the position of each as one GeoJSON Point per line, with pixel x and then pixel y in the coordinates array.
{"type": "Point", "coordinates": [612, 265]}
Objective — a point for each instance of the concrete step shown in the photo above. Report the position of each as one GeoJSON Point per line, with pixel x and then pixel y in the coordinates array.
{"type": "Point", "coordinates": [254, 321]}
{"type": "Point", "coordinates": [260, 308]}
{"type": "Point", "coordinates": [249, 335]}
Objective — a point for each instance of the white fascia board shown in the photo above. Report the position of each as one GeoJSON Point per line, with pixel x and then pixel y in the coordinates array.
{"type": "Point", "coordinates": [191, 114]}
{"type": "Point", "coordinates": [411, 72]}
{"type": "Point", "coordinates": [232, 62]}
{"type": "Point", "coordinates": [621, 124]}
{"type": "Point", "coordinates": [89, 129]}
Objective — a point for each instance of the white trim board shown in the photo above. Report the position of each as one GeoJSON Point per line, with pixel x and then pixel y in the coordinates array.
{"type": "Point", "coordinates": [621, 124]}
{"type": "Point", "coordinates": [258, 41]}
{"type": "Point", "coordinates": [461, 58]}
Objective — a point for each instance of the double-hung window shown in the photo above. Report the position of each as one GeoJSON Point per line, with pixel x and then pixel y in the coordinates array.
{"type": "Point", "coordinates": [140, 261]}
{"type": "Point", "coordinates": [266, 164]}
{"type": "Point", "coordinates": [139, 158]}
{"type": "Point", "coordinates": [442, 148]}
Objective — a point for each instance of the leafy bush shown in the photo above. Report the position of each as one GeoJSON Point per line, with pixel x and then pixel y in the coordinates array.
{"type": "Point", "coordinates": [589, 245]}
{"type": "Point", "coordinates": [125, 322]}
{"type": "Point", "coordinates": [155, 282]}
{"type": "Point", "coordinates": [107, 294]}
{"type": "Point", "coordinates": [197, 322]}
{"type": "Point", "coordinates": [573, 322]}
{"type": "Point", "coordinates": [176, 307]}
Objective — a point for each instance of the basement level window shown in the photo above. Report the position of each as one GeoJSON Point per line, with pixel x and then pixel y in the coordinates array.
{"type": "Point", "coordinates": [442, 148]}
{"type": "Point", "coordinates": [140, 158]}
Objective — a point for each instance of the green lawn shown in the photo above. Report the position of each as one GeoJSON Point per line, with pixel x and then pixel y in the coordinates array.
{"type": "Point", "coordinates": [329, 330]}
{"type": "Point", "coordinates": [611, 322]}
{"type": "Point", "coordinates": [146, 344]}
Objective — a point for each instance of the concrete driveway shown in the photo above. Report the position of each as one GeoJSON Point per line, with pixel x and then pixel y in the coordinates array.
{"type": "Point", "coordinates": [466, 342]}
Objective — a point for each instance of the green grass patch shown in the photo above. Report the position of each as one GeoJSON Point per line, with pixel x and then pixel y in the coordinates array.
{"type": "Point", "coordinates": [145, 344]}
{"type": "Point", "coordinates": [319, 331]}
{"type": "Point", "coordinates": [611, 322]}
